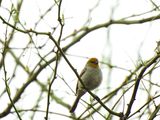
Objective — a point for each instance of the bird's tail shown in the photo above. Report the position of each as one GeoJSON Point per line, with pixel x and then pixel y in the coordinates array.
{"type": "Point", "coordinates": [74, 106]}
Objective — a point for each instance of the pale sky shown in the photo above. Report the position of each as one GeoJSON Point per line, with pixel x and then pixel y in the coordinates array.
{"type": "Point", "coordinates": [125, 42]}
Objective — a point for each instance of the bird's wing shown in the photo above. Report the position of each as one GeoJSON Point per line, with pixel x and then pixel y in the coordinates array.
{"type": "Point", "coordinates": [82, 72]}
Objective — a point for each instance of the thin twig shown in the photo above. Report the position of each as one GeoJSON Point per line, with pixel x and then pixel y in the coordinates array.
{"type": "Point", "coordinates": [140, 76]}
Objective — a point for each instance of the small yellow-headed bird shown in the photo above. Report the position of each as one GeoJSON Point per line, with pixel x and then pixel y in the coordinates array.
{"type": "Point", "coordinates": [91, 77]}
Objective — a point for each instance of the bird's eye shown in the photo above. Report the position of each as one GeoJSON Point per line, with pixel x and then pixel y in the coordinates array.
{"type": "Point", "coordinates": [94, 62]}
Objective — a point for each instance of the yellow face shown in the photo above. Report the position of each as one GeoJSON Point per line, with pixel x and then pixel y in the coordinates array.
{"type": "Point", "coordinates": [93, 62]}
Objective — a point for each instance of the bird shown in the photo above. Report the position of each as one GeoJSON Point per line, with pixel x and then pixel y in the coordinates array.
{"type": "Point", "coordinates": [91, 76]}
